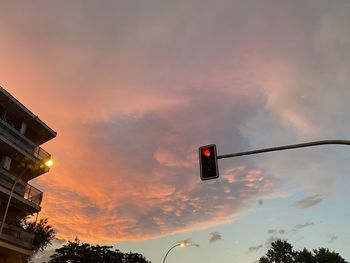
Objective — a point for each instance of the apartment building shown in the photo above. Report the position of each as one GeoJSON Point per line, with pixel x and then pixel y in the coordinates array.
{"type": "Point", "coordinates": [21, 160]}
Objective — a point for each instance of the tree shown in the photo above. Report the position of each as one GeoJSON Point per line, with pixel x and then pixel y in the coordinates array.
{"type": "Point", "coordinates": [282, 252]}
{"type": "Point", "coordinates": [323, 255]}
{"type": "Point", "coordinates": [134, 258]}
{"type": "Point", "coordinates": [44, 234]}
{"type": "Point", "coordinates": [77, 252]}
{"type": "Point", "coordinates": [304, 256]}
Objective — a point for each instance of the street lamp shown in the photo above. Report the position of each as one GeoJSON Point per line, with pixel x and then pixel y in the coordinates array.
{"type": "Point", "coordinates": [48, 163]}
{"type": "Point", "coordinates": [182, 244]}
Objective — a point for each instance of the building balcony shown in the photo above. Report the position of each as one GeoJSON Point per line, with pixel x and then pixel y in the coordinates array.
{"type": "Point", "coordinates": [24, 192]}
{"type": "Point", "coordinates": [14, 111]}
{"type": "Point", "coordinates": [17, 236]}
{"type": "Point", "coordinates": [18, 139]}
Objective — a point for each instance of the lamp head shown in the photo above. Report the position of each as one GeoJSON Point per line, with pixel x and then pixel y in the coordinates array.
{"type": "Point", "coordinates": [49, 163]}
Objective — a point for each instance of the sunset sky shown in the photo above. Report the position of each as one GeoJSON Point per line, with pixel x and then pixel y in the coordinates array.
{"type": "Point", "coordinates": [133, 88]}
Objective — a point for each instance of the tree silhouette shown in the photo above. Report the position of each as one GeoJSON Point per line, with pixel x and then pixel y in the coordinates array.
{"type": "Point", "coordinates": [304, 256]}
{"type": "Point", "coordinates": [77, 252]}
{"type": "Point", "coordinates": [44, 234]}
{"type": "Point", "coordinates": [282, 252]}
{"type": "Point", "coordinates": [323, 255]}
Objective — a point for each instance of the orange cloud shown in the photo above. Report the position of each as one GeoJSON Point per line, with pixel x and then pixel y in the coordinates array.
{"type": "Point", "coordinates": [126, 168]}
{"type": "Point", "coordinates": [130, 116]}
{"type": "Point", "coordinates": [135, 176]}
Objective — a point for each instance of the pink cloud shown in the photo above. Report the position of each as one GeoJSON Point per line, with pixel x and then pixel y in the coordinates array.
{"type": "Point", "coordinates": [130, 114]}
{"type": "Point", "coordinates": [133, 174]}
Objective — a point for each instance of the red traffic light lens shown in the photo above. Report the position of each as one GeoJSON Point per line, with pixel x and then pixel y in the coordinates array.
{"type": "Point", "coordinates": [206, 152]}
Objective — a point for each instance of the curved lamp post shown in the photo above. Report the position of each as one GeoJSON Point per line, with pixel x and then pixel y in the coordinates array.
{"type": "Point", "coordinates": [48, 163]}
{"type": "Point", "coordinates": [177, 245]}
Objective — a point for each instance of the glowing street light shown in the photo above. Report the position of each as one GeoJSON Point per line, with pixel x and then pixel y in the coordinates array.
{"type": "Point", "coordinates": [48, 164]}
{"type": "Point", "coordinates": [181, 244]}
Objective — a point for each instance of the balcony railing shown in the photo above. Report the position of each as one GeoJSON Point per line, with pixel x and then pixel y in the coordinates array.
{"type": "Point", "coordinates": [33, 194]}
{"type": "Point", "coordinates": [41, 154]}
{"type": "Point", "coordinates": [17, 235]}
{"type": "Point", "coordinates": [25, 190]}
{"type": "Point", "coordinates": [20, 140]}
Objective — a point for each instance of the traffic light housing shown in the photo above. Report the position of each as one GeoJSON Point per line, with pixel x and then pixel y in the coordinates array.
{"type": "Point", "coordinates": [208, 162]}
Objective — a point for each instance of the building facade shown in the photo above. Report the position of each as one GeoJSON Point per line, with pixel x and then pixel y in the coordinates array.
{"type": "Point", "coordinates": [21, 160]}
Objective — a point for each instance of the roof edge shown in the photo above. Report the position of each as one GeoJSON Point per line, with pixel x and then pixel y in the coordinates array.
{"type": "Point", "coordinates": [35, 117]}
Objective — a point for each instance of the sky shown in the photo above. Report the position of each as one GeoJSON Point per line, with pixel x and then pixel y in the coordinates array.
{"type": "Point", "coordinates": [133, 88]}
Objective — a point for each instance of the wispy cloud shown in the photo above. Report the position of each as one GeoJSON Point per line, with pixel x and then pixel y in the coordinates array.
{"type": "Point", "coordinates": [276, 231]}
{"type": "Point", "coordinates": [332, 238]}
{"type": "Point", "coordinates": [188, 243]}
{"type": "Point", "coordinates": [255, 248]}
{"type": "Point", "coordinates": [215, 236]}
{"type": "Point", "coordinates": [308, 201]}
{"type": "Point", "coordinates": [276, 234]}
{"type": "Point", "coordinates": [300, 226]}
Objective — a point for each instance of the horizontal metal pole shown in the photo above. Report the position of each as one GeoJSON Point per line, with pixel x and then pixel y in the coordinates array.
{"type": "Point", "coordinates": [286, 147]}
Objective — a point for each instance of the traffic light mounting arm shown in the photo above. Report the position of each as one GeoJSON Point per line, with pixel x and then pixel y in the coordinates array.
{"type": "Point", "coordinates": [209, 166]}
{"type": "Point", "coordinates": [286, 147]}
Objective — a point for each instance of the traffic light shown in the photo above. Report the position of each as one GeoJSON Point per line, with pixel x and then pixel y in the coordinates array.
{"type": "Point", "coordinates": [208, 162]}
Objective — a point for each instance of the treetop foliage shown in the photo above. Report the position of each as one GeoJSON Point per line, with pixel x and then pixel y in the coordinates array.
{"type": "Point", "coordinates": [78, 252]}
{"type": "Point", "coordinates": [44, 234]}
{"type": "Point", "coordinates": [282, 252]}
